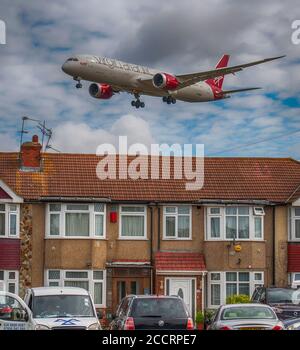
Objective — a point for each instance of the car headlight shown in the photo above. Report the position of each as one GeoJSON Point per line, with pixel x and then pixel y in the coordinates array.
{"type": "Point", "coordinates": [41, 327]}
{"type": "Point", "coordinates": [94, 327]}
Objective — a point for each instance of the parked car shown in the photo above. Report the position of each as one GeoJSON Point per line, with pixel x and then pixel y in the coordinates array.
{"type": "Point", "coordinates": [152, 312]}
{"type": "Point", "coordinates": [292, 324]}
{"type": "Point", "coordinates": [65, 308]}
{"type": "Point", "coordinates": [14, 313]}
{"type": "Point", "coordinates": [285, 301]}
{"type": "Point", "coordinates": [245, 317]}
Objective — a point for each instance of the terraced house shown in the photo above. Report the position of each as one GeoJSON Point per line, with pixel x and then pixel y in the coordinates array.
{"type": "Point", "coordinates": [62, 226]}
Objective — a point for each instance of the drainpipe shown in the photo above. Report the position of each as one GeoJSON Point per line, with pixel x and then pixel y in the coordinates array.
{"type": "Point", "coordinates": [274, 249]}
{"type": "Point", "coordinates": [158, 229]}
{"type": "Point", "coordinates": [203, 291]}
{"type": "Point", "coordinates": [151, 249]}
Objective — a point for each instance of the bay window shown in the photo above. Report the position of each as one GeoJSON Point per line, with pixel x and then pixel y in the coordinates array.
{"type": "Point", "coordinates": [76, 220]}
{"type": "Point", "coordinates": [91, 280]}
{"type": "Point", "coordinates": [234, 222]}
{"type": "Point", "coordinates": [295, 223]}
{"type": "Point", "coordinates": [177, 222]}
{"type": "Point", "coordinates": [133, 222]}
{"type": "Point", "coordinates": [223, 284]}
{"type": "Point", "coordinates": [9, 220]}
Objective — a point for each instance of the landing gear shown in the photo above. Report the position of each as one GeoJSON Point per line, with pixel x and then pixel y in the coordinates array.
{"type": "Point", "coordinates": [78, 85]}
{"type": "Point", "coordinates": [138, 103]}
{"type": "Point", "coordinates": [169, 100]}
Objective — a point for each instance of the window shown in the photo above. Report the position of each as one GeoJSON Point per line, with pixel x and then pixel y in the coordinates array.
{"type": "Point", "coordinates": [90, 280]}
{"type": "Point", "coordinates": [237, 283]}
{"type": "Point", "coordinates": [295, 223]}
{"type": "Point", "coordinates": [9, 281]}
{"type": "Point", "coordinates": [294, 279]}
{"type": "Point", "coordinates": [258, 211]}
{"type": "Point", "coordinates": [214, 222]}
{"type": "Point", "coordinates": [54, 215]}
{"type": "Point", "coordinates": [237, 222]}
{"type": "Point", "coordinates": [76, 220]}
{"type": "Point", "coordinates": [133, 222]}
{"type": "Point", "coordinates": [215, 292]}
{"type": "Point", "coordinates": [224, 284]}
{"type": "Point", "coordinates": [177, 222]}
{"type": "Point", "coordinates": [9, 220]}
{"type": "Point", "coordinates": [234, 222]}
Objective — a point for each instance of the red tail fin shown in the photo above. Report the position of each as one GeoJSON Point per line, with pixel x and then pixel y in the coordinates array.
{"type": "Point", "coordinates": [218, 81]}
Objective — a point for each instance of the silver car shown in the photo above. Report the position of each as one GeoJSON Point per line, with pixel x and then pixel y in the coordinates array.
{"type": "Point", "coordinates": [245, 317]}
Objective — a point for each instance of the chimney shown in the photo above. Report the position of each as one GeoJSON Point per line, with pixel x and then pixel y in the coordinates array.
{"type": "Point", "coordinates": [31, 154]}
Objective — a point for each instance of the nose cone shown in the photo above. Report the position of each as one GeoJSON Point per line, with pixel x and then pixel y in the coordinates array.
{"type": "Point", "coordinates": [64, 67]}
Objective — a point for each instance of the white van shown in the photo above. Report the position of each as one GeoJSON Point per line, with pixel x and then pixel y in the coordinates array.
{"type": "Point", "coordinates": [14, 313]}
{"type": "Point", "coordinates": [66, 308]}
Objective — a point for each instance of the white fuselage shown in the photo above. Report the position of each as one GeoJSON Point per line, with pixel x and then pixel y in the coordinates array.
{"type": "Point", "coordinates": [129, 77]}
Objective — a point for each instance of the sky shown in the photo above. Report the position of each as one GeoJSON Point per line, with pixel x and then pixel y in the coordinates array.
{"type": "Point", "coordinates": [176, 37]}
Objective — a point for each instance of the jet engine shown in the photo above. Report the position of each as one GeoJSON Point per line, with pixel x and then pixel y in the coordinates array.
{"type": "Point", "coordinates": [165, 81]}
{"type": "Point", "coordinates": [102, 91]}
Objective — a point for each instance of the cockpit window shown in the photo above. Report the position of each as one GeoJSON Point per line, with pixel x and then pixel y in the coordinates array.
{"type": "Point", "coordinates": [72, 59]}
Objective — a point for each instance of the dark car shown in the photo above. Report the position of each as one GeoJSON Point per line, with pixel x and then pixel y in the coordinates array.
{"type": "Point", "coordinates": [152, 312]}
{"type": "Point", "coordinates": [284, 301]}
{"type": "Point", "coordinates": [292, 324]}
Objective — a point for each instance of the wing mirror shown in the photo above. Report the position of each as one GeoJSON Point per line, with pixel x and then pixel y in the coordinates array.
{"type": "Point", "coordinates": [22, 315]}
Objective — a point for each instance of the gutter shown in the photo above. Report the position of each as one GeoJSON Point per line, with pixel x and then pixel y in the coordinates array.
{"type": "Point", "coordinates": [235, 201]}
{"type": "Point", "coordinates": [74, 199]}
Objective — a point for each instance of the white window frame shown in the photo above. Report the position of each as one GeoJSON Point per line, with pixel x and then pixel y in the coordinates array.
{"type": "Point", "coordinates": [222, 282]}
{"type": "Point", "coordinates": [176, 215]}
{"type": "Point", "coordinates": [293, 218]}
{"type": "Point", "coordinates": [293, 282]}
{"type": "Point", "coordinates": [143, 214]}
{"type": "Point", "coordinates": [222, 217]}
{"type": "Point", "coordinates": [8, 214]}
{"type": "Point", "coordinates": [90, 279]}
{"type": "Point", "coordinates": [62, 219]}
{"type": "Point", "coordinates": [8, 280]}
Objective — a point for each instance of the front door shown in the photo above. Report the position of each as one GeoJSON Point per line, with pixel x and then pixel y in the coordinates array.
{"type": "Point", "coordinates": [125, 286]}
{"type": "Point", "coordinates": [183, 288]}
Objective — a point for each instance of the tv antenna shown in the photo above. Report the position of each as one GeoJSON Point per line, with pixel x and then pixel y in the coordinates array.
{"type": "Point", "coordinates": [46, 132]}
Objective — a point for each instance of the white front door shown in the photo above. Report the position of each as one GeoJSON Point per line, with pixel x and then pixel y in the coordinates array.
{"type": "Point", "coordinates": [183, 288]}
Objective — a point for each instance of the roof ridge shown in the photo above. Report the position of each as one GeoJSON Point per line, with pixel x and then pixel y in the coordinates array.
{"type": "Point", "coordinates": [45, 154]}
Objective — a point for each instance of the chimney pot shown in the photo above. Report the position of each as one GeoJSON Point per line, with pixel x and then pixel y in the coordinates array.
{"type": "Point", "coordinates": [35, 139]}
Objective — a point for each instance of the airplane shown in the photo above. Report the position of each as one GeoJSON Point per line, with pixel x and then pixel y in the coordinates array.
{"type": "Point", "coordinates": [111, 76]}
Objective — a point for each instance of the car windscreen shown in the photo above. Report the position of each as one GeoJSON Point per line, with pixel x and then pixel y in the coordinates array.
{"type": "Point", "coordinates": [51, 306]}
{"type": "Point", "coordinates": [283, 296]}
{"type": "Point", "coordinates": [158, 307]}
{"type": "Point", "coordinates": [247, 312]}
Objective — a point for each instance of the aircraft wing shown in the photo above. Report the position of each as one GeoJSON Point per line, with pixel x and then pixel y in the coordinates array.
{"type": "Point", "coordinates": [239, 90]}
{"type": "Point", "coordinates": [190, 79]}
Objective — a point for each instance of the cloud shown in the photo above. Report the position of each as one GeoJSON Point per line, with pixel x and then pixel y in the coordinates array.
{"type": "Point", "coordinates": [81, 138]}
{"type": "Point", "coordinates": [185, 37]}
{"type": "Point", "coordinates": [8, 143]}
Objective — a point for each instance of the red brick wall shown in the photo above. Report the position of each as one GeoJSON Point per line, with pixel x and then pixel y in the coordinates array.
{"type": "Point", "coordinates": [9, 254]}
